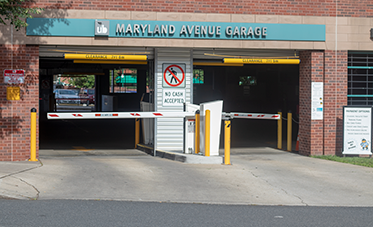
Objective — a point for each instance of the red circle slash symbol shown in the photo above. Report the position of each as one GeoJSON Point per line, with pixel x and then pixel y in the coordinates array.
{"type": "Point", "coordinates": [173, 76]}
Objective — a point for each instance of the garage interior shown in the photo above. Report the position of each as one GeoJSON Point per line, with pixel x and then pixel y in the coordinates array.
{"type": "Point", "coordinates": [248, 88]}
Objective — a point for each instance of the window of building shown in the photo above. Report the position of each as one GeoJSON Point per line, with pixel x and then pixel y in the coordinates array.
{"type": "Point", "coordinates": [123, 80]}
{"type": "Point", "coordinates": [247, 81]}
{"type": "Point", "coordinates": [198, 76]}
{"type": "Point", "coordinates": [360, 79]}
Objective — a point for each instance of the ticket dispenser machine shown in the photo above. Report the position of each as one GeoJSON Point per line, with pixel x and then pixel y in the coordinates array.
{"type": "Point", "coordinates": [189, 129]}
{"type": "Point", "coordinates": [216, 108]}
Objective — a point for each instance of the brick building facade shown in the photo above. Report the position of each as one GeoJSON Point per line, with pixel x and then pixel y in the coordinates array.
{"type": "Point", "coordinates": [15, 115]}
{"type": "Point", "coordinates": [347, 28]}
{"type": "Point", "coordinates": [345, 8]}
{"type": "Point", "coordinates": [322, 137]}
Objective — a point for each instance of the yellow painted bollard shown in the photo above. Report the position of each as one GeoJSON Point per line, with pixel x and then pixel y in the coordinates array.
{"type": "Point", "coordinates": [227, 143]}
{"type": "Point", "coordinates": [196, 133]}
{"type": "Point", "coordinates": [33, 136]}
{"type": "Point", "coordinates": [279, 132]}
{"type": "Point", "coordinates": [290, 118]}
{"type": "Point", "coordinates": [207, 133]}
{"type": "Point", "coordinates": [137, 131]}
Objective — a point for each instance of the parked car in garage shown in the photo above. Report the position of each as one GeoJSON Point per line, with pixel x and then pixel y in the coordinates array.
{"type": "Point", "coordinates": [66, 96]}
{"type": "Point", "coordinates": [87, 96]}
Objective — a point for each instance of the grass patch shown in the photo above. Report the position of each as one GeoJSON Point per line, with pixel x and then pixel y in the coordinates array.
{"type": "Point", "coordinates": [360, 161]}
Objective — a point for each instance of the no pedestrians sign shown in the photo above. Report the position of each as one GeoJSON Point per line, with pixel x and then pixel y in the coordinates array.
{"type": "Point", "coordinates": [174, 75]}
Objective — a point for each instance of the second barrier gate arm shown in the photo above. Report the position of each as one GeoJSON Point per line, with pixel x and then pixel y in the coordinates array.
{"type": "Point", "coordinates": [138, 115]}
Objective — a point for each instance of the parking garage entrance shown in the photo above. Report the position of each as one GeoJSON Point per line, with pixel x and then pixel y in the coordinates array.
{"type": "Point", "coordinates": [251, 89]}
{"type": "Point", "coordinates": [90, 88]}
{"type": "Point", "coordinates": [104, 86]}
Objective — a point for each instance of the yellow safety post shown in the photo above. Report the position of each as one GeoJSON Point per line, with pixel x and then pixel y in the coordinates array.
{"type": "Point", "coordinates": [196, 133]}
{"type": "Point", "coordinates": [33, 136]}
{"type": "Point", "coordinates": [279, 132]}
{"type": "Point", "coordinates": [137, 131]}
{"type": "Point", "coordinates": [207, 133]}
{"type": "Point", "coordinates": [290, 118]}
{"type": "Point", "coordinates": [227, 143]}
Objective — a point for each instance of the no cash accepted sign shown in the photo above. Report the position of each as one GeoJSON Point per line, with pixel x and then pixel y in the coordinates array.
{"type": "Point", "coordinates": [173, 97]}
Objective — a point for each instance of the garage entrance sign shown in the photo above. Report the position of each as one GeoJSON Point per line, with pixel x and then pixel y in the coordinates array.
{"type": "Point", "coordinates": [175, 29]}
{"type": "Point", "coordinates": [173, 75]}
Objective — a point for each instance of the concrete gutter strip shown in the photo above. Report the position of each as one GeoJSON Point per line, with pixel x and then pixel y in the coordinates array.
{"type": "Point", "coordinates": [180, 157]}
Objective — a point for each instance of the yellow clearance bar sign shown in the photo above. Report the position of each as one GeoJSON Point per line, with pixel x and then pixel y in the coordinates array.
{"type": "Point", "coordinates": [260, 61]}
{"type": "Point", "coordinates": [111, 62]}
{"type": "Point", "coordinates": [106, 57]}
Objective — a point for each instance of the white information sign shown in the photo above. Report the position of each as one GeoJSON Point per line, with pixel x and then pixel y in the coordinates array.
{"type": "Point", "coordinates": [173, 97]}
{"type": "Point", "coordinates": [317, 95]}
{"type": "Point", "coordinates": [357, 130]}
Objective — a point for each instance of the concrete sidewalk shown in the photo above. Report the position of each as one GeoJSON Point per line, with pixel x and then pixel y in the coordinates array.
{"type": "Point", "coordinates": [11, 186]}
{"type": "Point", "coordinates": [261, 176]}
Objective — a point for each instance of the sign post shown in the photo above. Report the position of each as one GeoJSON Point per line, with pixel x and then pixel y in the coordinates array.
{"type": "Point", "coordinates": [357, 130]}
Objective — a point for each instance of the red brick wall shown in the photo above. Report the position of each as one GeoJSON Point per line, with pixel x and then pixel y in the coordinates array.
{"type": "Point", "coordinates": [335, 97]}
{"type": "Point", "coordinates": [349, 8]}
{"type": "Point", "coordinates": [15, 115]}
{"type": "Point", "coordinates": [311, 69]}
{"type": "Point", "coordinates": [322, 137]}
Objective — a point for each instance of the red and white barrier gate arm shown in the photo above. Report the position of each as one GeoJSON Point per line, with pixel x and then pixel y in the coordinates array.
{"type": "Point", "coordinates": [134, 115]}
{"type": "Point", "coordinates": [252, 116]}
{"type": "Point", "coordinates": [117, 115]}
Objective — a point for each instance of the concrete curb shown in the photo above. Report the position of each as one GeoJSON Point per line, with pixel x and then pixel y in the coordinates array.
{"type": "Point", "coordinates": [16, 188]}
{"type": "Point", "coordinates": [185, 158]}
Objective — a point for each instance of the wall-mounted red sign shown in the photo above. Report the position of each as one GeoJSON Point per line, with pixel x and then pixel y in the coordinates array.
{"type": "Point", "coordinates": [14, 76]}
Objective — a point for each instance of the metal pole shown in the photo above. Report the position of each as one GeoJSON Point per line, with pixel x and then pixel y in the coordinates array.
{"type": "Point", "coordinates": [279, 131]}
{"type": "Point", "coordinates": [33, 136]}
{"type": "Point", "coordinates": [137, 131]}
{"type": "Point", "coordinates": [227, 143]}
{"type": "Point", "coordinates": [196, 133]}
{"type": "Point", "coordinates": [290, 118]}
{"type": "Point", "coordinates": [185, 149]}
{"type": "Point", "coordinates": [207, 133]}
